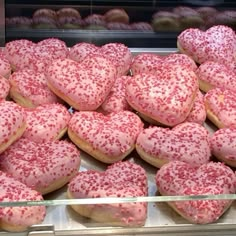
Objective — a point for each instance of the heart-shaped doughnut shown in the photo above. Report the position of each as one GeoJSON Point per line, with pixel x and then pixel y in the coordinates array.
{"type": "Point", "coordinates": [35, 56]}
{"type": "Point", "coordinates": [4, 87]}
{"type": "Point", "coordinates": [107, 138]}
{"type": "Point", "coordinates": [187, 142]}
{"type": "Point", "coordinates": [217, 44]}
{"type": "Point", "coordinates": [150, 62]}
{"type": "Point", "coordinates": [29, 89]}
{"type": "Point", "coordinates": [46, 123]}
{"type": "Point", "coordinates": [82, 85]}
{"type": "Point", "coordinates": [122, 179]}
{"type": "Point", "coordinates": [16, 219]}
{"type": "Point", "coordinates": [179, 178]}
{"type": "Point", "coordinates": [44, 167]}
{"type": "Point", "coordinates": [12, 123]}
{"type": "Point", "coordinates": [166, 97]}
{"type": "Point", "coordinates": [220, 107]}
{"type": "Point", "coordinates": [223, 145]}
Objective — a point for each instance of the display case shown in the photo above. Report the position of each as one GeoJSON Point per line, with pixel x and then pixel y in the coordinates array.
{"type": "Point", "coordinates": [157, 33]}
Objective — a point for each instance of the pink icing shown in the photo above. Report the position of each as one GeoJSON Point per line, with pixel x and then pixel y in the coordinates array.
{"type": "Point", "coordinates": [187, 142]}
{"type": "Point", "coordinates": [116, 101]}
{"type": "Point", "coordinates": [11, 190]}
{"type": "Point", "coordinates": [217, 44]}
{"type": "Point", "coordinates": [81, 50]}
{"type": "Point", "coordinates": [5, 67]}
{"type": "Point", "coordinates": [120, 56]}
{"type": "Point", "coordinates": [217, 75]}
{"type": "Point", "coordinates": [179, 178]}
{"type": "Point", "coordinates": [32, 86]}
{"type": "Point", "coordinates": [39, 165]}
{"type": "Point", "coordinates": [87, 84]}
{"type": "Point", "coordinates": [222, 103]}
{"type": "Point", "coordinates": [45, 122]}
{"type": "Point", "coordinates": [113, 135]}
{"type": "Point", "coordinates": [166, 97]}
{"type": "Point", "coordinates": [223, 143]}
{"type": "Point", "coordinates": [4, 87]}
{"type": "Point", "coordinates": [12, 118]}
{"type": "Point", "coordinates": [122, 179]}
{"type": "Point", "coordinates": [198, 112]}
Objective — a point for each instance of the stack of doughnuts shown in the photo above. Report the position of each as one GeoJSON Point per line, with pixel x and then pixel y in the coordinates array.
{"type": "Point", "coordinates": [105, 102]}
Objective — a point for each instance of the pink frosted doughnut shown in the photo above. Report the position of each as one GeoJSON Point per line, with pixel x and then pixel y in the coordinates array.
{"type": "Point", "coordinates": [166, 97]}
{"type": "Point", "coordinates": [116, 101]}
{"type": "Point", "coordinates": [81, 50]}
{"type": "Point", "coordinates": [107, 138]}
{"type": "Point", "coordinates": [46, 122]}
{"type": "Point", "coordinates": [217, 44]}
{"type": "Point", "coordinates": [82, 85]}
{"type": "Point", "coordinates": [29, 89]}
{"type": "Point", "coordinates": [213, 74]}
{"type": "Point", "coordinates": [5, 67]}
{"type": "Point", "coordinates": [198, 112]}
{"type": "Point", "coordinates": [221, 107]}
{"type": "Point", "coordinates": [4, 87]}
{"type": "Point", "coordinates": [12, 123]}
{"type": "Point", "coordinates": [150, 63]}
{"type": "Point", "coordinates": [120, 55]}
{"type": "Point", "coordinates": [179, 178]}
{"type": "Point", "coordinates": [16, 219]}
{"type": "Point", "coordinates": [122, 179]}
{"type": "Point", "coordinates": [223, 145]}
{"type": "Point", "coordinates": [24, 54]}
{"type": "Point", "coordinates": [44, 167]}
{"type": "Point", "coordinates": [187, 142]}
{"type": "Point", "coordinates": [145, 63]}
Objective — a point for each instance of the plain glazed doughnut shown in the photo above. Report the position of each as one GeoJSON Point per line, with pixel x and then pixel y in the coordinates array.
{"type": "Point", "coordinates": [81, 50]}
{"type": "Point", "coordinates": [179, 179]}
{"type": "Point", "coordinates": [4, 87]}
{"type": "Point", "coordinates": [217, 44]}
{"type": "Point", "coordinates": [117, 15]}
{"type": "Point", "coordinates": [220, 107]}
{"type": "Point", "coordinates": [120, 56]}
{"type": "Point", "coordinates": [12, 123]}
{"type": "Point", "coordinates": [106, 138]}
{"type": "Point", "coordinates": [216, 75]}
{"type": "Point", "coordinates": [187, 142]}
{"type": "Point", "coordinates": [122, 179]}
{"type": "Point", "coordinates": [223, 145]}
{"type": "Point", "coordinates": [166, 97]}
{"type": "Point", "coordinates": [29, 89]}
{"type": "Point", "coordinates": [43, 167]}
{"type": "Point", "coordinates": [16, 219]}
{"type": "Point", "coordinates": [46, 122]}
{"type": "Point", "coordinates": [116, 101]}
{"type": "Point", "coordinates": [84, 85]}
{"type": "Point", "coordinates": [198, 112]}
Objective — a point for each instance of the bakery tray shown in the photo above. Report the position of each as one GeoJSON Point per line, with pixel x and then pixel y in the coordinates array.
{"type": "Point", "coordinates": [161, 219]}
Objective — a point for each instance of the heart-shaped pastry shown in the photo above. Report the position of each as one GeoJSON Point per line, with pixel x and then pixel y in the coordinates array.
{"type": "Point", "coordinates": [150, 62]}
{"type": "Point", "coordinates": [46, 123]}
{"type": "Point", "coordinates": [29, 89]}
{"type": "Point", "coordinates": [4, 87]}
{"type": "Point", "coordinates": [179, 178]}
{"type": "Point", "coordinates": [12, 123]}
{"type": "Point", "coordinates": [217, 44]}
{"type": "Point", "coordinates": [35, 56]}
{"type": "Point", "coordinates": [223, 145]}
{"type": "Point", "coordinates": [220, 107]}
{"type": "Point", "coordinates": [107, 138]}
{"type": "Point", "coordinates": [82, 85]}
{"type": "Point", "coordinates": [187, 142]}
{"type": "Point", "coordinates": [16, 219]}
{"type": "Point", "coordinates": [166, 97]}
{"type": "Point", "coordinates": [44, 167]}
{"type": "Point", "coordinates": [122, 179]}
